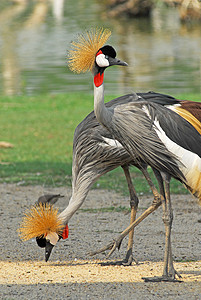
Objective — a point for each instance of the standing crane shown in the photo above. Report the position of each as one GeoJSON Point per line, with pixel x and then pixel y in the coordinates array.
{"type": "Point", "coordinates": [149, 132]}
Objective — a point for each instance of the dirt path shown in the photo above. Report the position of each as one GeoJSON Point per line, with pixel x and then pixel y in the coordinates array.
{"type": "Point", "coordinates": [72, 274]}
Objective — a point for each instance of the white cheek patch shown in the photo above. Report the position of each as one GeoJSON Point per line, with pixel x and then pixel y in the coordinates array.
{"type": "Point", "coordinates": [102, 61]}
{"type": "Point", "coordinates": [52, 237]}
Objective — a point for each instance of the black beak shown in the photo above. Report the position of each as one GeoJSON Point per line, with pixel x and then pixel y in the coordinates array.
{"type": "Point", "coordinates": [48, 250]}
{"type": "Point", "coordinates": [116, 61]}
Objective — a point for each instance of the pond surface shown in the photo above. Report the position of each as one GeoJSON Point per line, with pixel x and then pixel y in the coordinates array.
{"type": "Point", "coordinates": [163, 54]}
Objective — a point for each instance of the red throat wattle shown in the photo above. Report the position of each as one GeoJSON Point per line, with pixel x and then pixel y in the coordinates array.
{"type": "Point", "coordinates": [98, 79]}
{"type": "Point", "coordinates": [65, 233]}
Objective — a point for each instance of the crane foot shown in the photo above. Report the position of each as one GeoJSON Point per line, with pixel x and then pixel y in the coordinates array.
{"type": "Point", "coordinates": [116, 244]}
{"type": "Point", "coordinates": [170, 276]}
{"type": "Point", "coordinates": [125, 262]}
{"type": "Point", "coordinates": [111, 246]}
{"type": "Point", "coordinates": [129, 259]}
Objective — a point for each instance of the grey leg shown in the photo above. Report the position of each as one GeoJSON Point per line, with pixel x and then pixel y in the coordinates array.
{"type": "Point", "coordinates": [168, 269]}
{"type": "Point", "coordinates": [134, 205]}
{"type": "Point", "coordinates": [134, 201]}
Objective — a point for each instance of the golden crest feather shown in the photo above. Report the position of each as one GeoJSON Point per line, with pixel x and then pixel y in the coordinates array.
{"type": "Point", "coordinates": [82, 55]}
{"type": "Point", "coordinates": [39, 221]}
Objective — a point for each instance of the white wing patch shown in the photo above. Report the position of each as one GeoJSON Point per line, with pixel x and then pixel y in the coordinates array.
{"type": "Point", "coordinates": [190, 162]}
{"type": "Point", "coordinates": [111, 142]}
{"type": "Point", "coordinates": [173, 107]}
{"type": "Point", "coordinates": [146, 111]}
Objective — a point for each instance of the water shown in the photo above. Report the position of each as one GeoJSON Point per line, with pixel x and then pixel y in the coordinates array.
{"type": "Point", "coordinates": [163, 54]}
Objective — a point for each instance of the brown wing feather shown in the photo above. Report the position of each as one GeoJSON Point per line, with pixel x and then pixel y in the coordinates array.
{"type": "Point", "coordinates": [192, 107]}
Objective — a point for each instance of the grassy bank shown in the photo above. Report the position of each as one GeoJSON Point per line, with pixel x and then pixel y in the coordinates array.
{"type": "Point", "coordinates": [41, 129]}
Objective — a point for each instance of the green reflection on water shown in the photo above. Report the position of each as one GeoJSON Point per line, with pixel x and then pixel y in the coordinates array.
{"type": "Point", "coordinates": [163, 54]}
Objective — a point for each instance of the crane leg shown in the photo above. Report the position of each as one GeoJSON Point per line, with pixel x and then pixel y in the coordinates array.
{"type": "Point", "coordinates": [134, 201]}
{"type": "Point", "coordinates": [134, 205]}
{"type": "Point", "coordinates": [169, 272]}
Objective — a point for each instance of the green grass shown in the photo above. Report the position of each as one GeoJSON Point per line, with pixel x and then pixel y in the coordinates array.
{"type": "Point", "coordinates": [41, 129]}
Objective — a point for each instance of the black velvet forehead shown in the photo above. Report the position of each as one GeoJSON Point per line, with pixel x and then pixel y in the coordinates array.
{"type": "Point", "coordinates": [108, 50]}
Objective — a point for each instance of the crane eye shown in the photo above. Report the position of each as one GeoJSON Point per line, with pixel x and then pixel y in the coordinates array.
{"type": "Point", "coordinates": [106, 56]}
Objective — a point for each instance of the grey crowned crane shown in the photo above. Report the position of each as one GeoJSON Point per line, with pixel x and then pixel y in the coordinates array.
{"type": "Point", "coordinates": [149, 132]}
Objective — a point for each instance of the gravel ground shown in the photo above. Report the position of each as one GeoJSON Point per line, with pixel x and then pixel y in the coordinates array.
{"type": "Point", "coordinates": [72, 274]}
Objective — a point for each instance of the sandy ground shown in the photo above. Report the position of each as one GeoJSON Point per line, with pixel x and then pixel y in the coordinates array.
{"type": "Point", "coordinates": [72, 274]}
